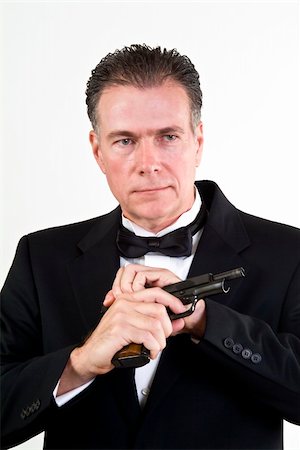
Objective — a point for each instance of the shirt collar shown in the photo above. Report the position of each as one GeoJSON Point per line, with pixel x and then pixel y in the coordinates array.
{"type": "Point", "coordinates": [185, 219]}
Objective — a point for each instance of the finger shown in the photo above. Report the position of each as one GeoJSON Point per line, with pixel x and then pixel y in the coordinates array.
{"type": "Point", "coordinates": [154, 336]}
{"type": "Point", "coordinates": [109, 299]}
{"type": "Point", "coordinates": [196, 323]}
{"type": "Point", "coordinates": [153, 277]}
{"type": "Point", "coordinates": [157, 295]}
{"type": "Point", "coordinates": [161, 278]}
{"type": "Point", "coordinates": [129, 273]}
{"type": "Point", "coordinates": [149, 341]}
{"type": "Point", "coordinates": [141, 323]}
{"type": "Point", "coordinates": [156, 316]}
{"type": "Point", "coordinates": [177, 325]}
{"type": "Point", "coordinates": [140, 281]}
{"type": "Point", "coordinates": [135, 277]}
{"type": "Point", "coordinates": [139, 313]}
{"type": "Point", "coordinates": [116, 284]}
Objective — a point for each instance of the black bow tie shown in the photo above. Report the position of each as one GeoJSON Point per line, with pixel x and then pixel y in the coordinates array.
{"type": "Point", "coordinates": [175, 243]}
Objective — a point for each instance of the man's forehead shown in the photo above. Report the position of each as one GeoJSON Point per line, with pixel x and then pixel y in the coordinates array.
{"type": "Point", "coordinates": [125, 101]}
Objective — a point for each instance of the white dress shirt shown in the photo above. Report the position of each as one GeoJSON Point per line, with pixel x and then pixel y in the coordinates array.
{"type": "Point", "coordinates": [180, 266]}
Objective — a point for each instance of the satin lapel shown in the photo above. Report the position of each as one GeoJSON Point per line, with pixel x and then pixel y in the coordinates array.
{"type": "Point", "coordinates": [93, 272]}
{"type": "Point", "coordinates": [224, 236]}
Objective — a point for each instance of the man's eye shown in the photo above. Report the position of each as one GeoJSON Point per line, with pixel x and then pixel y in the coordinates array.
{"type": "Point", "coordinates": [125, 142]}
{"type": "Point", "coordinates": [170, 137]}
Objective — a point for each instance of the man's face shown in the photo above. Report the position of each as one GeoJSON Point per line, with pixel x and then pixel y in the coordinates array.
{"type": "Point", "coordinates": [148, 151]}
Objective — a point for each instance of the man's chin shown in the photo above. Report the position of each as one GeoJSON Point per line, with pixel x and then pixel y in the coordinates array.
{"type": "Point", "coordinates": [153, 219]}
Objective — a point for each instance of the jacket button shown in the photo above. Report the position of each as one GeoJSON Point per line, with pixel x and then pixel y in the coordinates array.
{"type": "Point", "coordinates": [237, 348]}
{"type": "Point", "coordinates": [228, 342]}
{"type": "Point", "coordinates": [246, 353]}
{"type": "Point", "coordinates": [256, 358]}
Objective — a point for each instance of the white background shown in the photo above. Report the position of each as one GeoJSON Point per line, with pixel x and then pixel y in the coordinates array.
{"type": "Point", "coordinates": [248, 57]}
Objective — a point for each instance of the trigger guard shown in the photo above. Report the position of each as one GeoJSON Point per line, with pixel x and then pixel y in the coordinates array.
{"type": "Point", "coordinates": [186, 313]}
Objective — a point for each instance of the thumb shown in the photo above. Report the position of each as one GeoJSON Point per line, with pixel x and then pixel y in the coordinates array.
{"type": "Point", "coordinates": [109, 299]}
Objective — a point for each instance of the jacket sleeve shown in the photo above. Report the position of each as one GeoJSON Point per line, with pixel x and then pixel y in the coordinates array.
{"type": "Point", "coordinates": [28, 376]}
{"type": "Point", "coordinates": [265, 360]}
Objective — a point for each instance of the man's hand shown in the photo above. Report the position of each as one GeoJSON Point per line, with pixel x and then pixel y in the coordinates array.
{"type": "Point", "coordinates": [134, 277]}
{"type": "Point", "coordinates": [135, 314]}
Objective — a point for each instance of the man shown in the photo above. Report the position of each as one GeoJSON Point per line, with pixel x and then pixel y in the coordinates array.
{"type": "Point", "coordinates": [224, 377]}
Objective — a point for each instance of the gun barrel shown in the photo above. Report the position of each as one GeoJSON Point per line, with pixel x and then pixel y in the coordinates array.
{"type": "Point", "coordinates": [230, 274]}
{"type": "Point", "coordinates": [215, 287]}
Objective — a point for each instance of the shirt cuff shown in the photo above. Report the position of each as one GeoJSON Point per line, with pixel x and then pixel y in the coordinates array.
{"type": "Point", "coordinates": [64, 398]}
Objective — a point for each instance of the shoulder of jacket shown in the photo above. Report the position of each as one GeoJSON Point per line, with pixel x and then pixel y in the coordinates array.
{"type": "Point", "coordinates": [71, 231]}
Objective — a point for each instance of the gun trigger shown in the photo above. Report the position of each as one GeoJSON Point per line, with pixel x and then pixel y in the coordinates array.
{"type": "Point", "coordinates": [186, 313]}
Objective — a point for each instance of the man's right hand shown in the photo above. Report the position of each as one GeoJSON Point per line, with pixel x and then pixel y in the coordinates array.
{"type": "Point", "coordinates": [138, 316]}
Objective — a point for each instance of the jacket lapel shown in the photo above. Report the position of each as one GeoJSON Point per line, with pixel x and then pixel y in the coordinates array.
{"type": "Point", "coordinates": [93, 272]}
{"type": "Point", "coordinates": [224, 236]}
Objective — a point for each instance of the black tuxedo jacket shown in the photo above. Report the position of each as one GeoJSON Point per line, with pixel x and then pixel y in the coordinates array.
{"type": "Point", "coordinates": [230, 391]}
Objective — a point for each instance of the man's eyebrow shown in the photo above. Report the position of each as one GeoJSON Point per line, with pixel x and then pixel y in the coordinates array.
{"type": "Point", "coordinates": [169, 130]}
{"type": "Point", "coordinates": [166, 130]}
{"type": "Point", "coordinates": [119, 133]}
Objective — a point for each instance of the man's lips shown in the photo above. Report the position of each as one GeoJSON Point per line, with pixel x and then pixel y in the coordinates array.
{"type": "Point", "coordinates": [150, 189]}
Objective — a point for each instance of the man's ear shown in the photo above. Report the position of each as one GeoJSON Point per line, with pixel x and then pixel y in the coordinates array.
{"type": "Point", "coordinates": [199, 143]}
{"type": "Point", "coordinates": [94, 140]}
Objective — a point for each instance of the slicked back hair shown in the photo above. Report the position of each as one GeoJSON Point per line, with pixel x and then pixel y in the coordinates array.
{"type": "Point", "coordinates": [142, 66]}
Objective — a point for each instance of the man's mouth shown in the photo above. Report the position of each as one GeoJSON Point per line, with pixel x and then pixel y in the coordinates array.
{"type": "Point", "coordinates": [150, 189]}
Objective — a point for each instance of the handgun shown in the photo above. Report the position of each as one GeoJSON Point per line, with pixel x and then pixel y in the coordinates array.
{"type": "Point", "coordinates": [189, 292]}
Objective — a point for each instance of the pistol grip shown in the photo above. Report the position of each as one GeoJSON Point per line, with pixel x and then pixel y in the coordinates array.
{"type": "Point", "coordinates": [132, 355]}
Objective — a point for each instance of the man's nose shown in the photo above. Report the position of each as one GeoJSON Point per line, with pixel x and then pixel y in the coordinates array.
{"type": "Point", "coordinates": [147, 157]}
